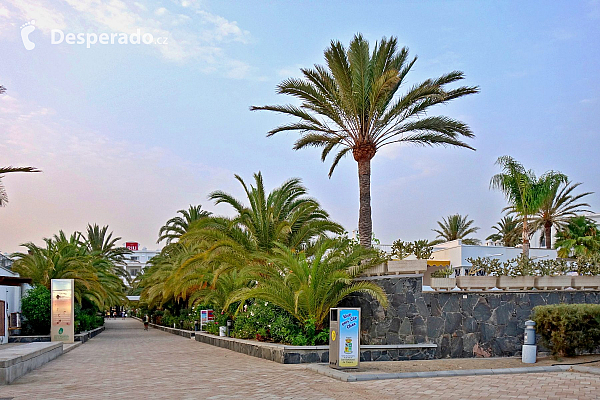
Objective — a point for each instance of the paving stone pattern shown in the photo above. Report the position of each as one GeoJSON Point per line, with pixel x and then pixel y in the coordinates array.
{"type": "Point", "coordinates": [124, 362]}
{"type": "Point", "coordinates": [462, 324]}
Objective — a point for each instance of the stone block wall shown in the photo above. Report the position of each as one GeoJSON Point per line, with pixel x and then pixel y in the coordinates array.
{"type": "Point", "coordinates": [462, 324]}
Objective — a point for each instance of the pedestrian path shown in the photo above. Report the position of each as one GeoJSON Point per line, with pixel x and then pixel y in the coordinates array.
{"type": "Point", "coordinates": [125, 362]}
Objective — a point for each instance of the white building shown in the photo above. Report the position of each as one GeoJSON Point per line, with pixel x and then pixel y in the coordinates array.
{"type": "Point", "coordinates": [11, 289]}
{"type": "Point", "coordinates": [136, 262]}
{"type": "Point", "coordinates": [457, 253]}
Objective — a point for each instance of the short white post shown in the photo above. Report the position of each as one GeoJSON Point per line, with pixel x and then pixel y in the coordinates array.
{"type": "Point", "coordinates": [529, 353]}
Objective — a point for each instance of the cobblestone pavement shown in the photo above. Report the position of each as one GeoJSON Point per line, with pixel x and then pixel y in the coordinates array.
{"type": "Point", "coordinates": [124, 362]}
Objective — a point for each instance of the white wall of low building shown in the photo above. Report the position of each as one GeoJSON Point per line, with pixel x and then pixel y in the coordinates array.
{"type": "Point", "coordinates": [11, 295]}
{"type": "Point", "coordinates": [458, 253]}
{"type": "Point", "coordinates": [136, 262]}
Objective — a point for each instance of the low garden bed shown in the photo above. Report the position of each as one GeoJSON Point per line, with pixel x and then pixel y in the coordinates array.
{"type": "Point", "coordinates": [287, 354]}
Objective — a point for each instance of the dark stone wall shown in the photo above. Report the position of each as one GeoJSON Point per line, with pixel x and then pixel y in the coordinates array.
{"type": "Point", "coordinates": [462, 324]}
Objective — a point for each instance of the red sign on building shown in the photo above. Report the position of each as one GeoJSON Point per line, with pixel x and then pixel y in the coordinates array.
{"type": "Point", "coordinates": [133, 246]}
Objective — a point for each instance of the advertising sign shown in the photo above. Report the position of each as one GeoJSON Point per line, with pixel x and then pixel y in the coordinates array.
{"type": "Point", "coordinates": [133, 246]}
{"type": "Point", "coordinates": [348, 338]}
{"type": "Point", "coordinates": [62, 315]}
{"type": "Point", "coordinates": [205, 317]}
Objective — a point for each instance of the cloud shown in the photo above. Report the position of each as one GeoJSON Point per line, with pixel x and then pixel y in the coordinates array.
{"type": "Point", "coordinates": [191, 32]}
{"type": "Point", "coordinates": [588, 101]}
{"type": "Point", "coordinates": [46, 17]}
{"type": "Point", "coordinates": [160, 11]}
{"type": "Point", "coordinates": [4, 12]}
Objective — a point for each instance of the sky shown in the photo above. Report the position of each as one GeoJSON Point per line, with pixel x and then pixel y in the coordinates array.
{"type": "Point", "coordinates": [127, 134]}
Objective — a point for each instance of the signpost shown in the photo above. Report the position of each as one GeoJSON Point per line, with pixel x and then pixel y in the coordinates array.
{"type": "Point", "coordinates": [62, 314]}
{"type": "Point", "coordinates": [344, 338]}
{"type": "Point", "coordinates": [205, 317]}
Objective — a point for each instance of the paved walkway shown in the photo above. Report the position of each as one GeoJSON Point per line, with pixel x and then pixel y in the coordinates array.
{"type": "Point", "coordinates": [124, 362]}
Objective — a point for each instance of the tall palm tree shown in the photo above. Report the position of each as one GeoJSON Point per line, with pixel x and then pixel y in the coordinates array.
{"type": "Point", "coordinates": [351, 105]}
{"type": "Point", "coordinates": [307, 287]}
{"type": "Point", "coordinates": [455, 227]}
{"type": "Point", "coordinates": [525, 192]}
{"type": "Point", "coordinates": [6, 170]}
{"type": "Point", "coordinates": [508, 231]}
{"type": "Point", "coordinates": [177, 226]}
{"type": "Point", "coordinates": [558, 209]}
{"type": "Point", "coordinates": [580, 238]}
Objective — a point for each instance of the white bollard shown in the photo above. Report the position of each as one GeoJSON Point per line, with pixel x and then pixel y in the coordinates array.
{"type": "Point", "coordinates": [529, 354]}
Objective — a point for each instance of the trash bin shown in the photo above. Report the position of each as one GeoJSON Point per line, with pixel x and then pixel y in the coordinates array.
{"type": "Point", "coordinates": [344, 338]}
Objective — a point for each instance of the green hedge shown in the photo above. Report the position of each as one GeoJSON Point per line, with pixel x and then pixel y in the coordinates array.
{"type": "Point", "coordinates": [35, 306]}
{"type": "Point", "coordinates": [568, 328]}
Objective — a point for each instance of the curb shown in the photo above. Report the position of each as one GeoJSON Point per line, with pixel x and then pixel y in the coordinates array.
{"type": "Point", "coordinates": [588, 370]}
{"type": "Point", "coordinates": [67, 348]}
{"type": "Point", "coordinates": [324, 369]}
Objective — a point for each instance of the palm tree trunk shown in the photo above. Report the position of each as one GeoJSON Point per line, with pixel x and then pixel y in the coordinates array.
{"type": "Point", "coordinates": [525, 237]}
{"type": "Point", "coordinates": [548, 234]}
{"type": "Point", "coordinates": [365, 225]}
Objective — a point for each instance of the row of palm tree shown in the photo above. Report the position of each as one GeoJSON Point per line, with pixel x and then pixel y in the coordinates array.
{"type": "Point", "coordinates": [535, 204]}
{"type": "Point", "coordinates": [280, 247]}
{"type": "Point", "coordinates": [92, 259]}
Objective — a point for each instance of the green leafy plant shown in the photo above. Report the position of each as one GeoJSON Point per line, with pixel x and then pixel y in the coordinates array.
{"type": "Point", "coordinates": [568, 328]}
{"type": "Point", "coordinates": [487, 265]}
{"type": "Point", "coordinates": [35, 307]}
{"type": "Point", "coordinates": [442, 273]}
{"type": "Point", "coordinates": [401, 249]}
{"type": "Point", "coordinates": [422, 249]}
{"type": "Point", "coordinates": [588, 265]}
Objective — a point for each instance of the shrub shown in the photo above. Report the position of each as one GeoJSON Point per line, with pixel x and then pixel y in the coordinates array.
{"type": "Point", "coordinates": [35, 307]}
{"type": "Point", "coordinates": [588, 265]}
{"type": "Point", "coordinates": [87, 318]}
{"type": "Point", "coordinates": [519, 266]}
{"type": "Point", "coordinates": [442, 273]}
{"type": "Point", "coordinates": [568, 328]}
{"type": "Point", "coordinates": [267, 322]}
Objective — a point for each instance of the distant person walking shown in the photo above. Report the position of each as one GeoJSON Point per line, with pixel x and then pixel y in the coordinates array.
{"type": "Point", "coordinates": [146, 321]}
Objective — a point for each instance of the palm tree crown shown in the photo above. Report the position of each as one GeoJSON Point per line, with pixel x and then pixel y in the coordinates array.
{"type": "Point", "coordinates": [177, 226]}
{"type": "Point", "coordinates": [508, 231]}
{"type": "Point", "coordinates": [351, 106]}
{"type": "Point", "coordinates": [578, 238]}
{"type": "Point", "coordinates": [525, 192]}
{"type": "Point", "coordinates": [456, 227]}
{"type": "Point", "coordinates": [6, 170]}
{"type": "Point", "coordinates": [558, 209]}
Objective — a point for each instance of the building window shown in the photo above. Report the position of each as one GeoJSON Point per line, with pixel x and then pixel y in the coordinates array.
{"type": "Point", "coordinates": [134, 258]}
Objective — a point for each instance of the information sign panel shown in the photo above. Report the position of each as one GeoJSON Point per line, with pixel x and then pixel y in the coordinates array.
{"type": "Point", "coordinates": [62, 316]}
